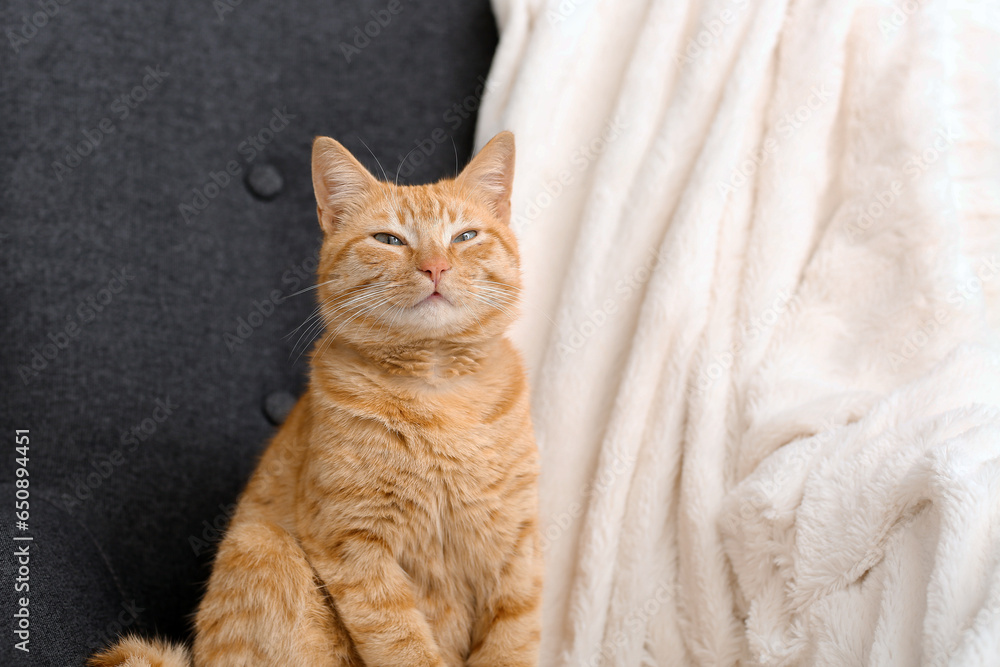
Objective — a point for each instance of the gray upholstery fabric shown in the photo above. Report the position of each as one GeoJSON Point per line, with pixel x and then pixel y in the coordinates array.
{"type": "Point", "coordinates": [156, 217]}
{"type": "Point", "coordinates": [76, 605]}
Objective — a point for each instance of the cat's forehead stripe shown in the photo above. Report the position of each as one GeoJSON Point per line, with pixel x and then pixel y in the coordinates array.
{"type": "Point", "coordinates": [414, 208]}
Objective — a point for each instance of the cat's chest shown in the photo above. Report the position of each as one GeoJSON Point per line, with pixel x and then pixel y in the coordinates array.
{"type": "Point", "coordinates": [461, 531]}
{"type": "Point", "coordinates": [448, 475]}
{"type": "Point", "coordinates": [462, 494]}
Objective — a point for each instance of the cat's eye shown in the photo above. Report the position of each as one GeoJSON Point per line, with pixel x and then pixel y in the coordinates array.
{"type": "Point", "coordinates": [388, 239]}
{"type": "Point", "coordinates": [464, 236]}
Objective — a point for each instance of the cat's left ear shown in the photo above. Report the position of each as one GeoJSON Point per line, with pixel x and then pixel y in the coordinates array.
{"type": "Point", "coordinates": [339, 180]}
{"type": "Point", "coordinates": [491, 174]}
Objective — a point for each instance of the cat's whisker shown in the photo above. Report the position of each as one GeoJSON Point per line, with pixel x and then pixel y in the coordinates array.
{"type": "Point", "coordinates": [365, 144]}
{"type": "Point", "coordinates": [357, 302]}
{"type": "Point", "coordinates": [481, 281]}
{"type": "Point", "coordinates": [503, 296]}
{"type": "Point", "coordinates": [496, 282]}
{"type": "Point", "coordinates": [312, 339]}
{"type": "Point", "coordinates": [331, 337]}
{"type": "Point", "coordinates": [335, 295]}
{"type": "Point", "coordinates": [498, 293]}
{"type": "Point", "coordinates": [400, 310]}
{"type": "Point", "coordinates": [401, 163]}
{"type": "Point", "coordinates": [310, 320]}
{"type": "Point", "coordinates": [360, 297]}
{"type": "Point", "coordinates": [380, 316]}
{"type": "Point", "coordinates": [317, 326]}
{"type": "Point", "coordinates": [513, 298]}
{"type": "Point", "coordinates": [308, 338]}
{"type": "Point", "coordinates": [470, 310]}
{"type": "Point", "coordinates": [361, 288]}
{"type": "Point", "coordinates": [493, 299]}
{"type": "Point", "coordinates": [356, 313]}
{"type": "Point", "coordinates": [309, 317]}
{"type": "Point", "coordinates": [315, 314]}
{"type": "Point", "coordinates": [327, 282]}
{"type": "Point", "coordinates": [309, 289]}
{"type": "Point", "coordinates": [394, 192]}
{"type": "Point", "coordinates": [358, 294]}
{"type": "Point", "coordinates": [314, 320]}
{"type": "Point", "coordinates": [393, 308]}
{"type": "Point", "coordinates": [501, 306]}
{"type": "Point", "coordinates": [310, 334]}
{"type": "Point", "coordinates": [496, 290]}
{"type": "Point", "coordinates": [395, 200]}
{"type": "Point", "coordinates": [380, 320]}
{"type": "Point", "coordinates": [313, 331]}
{"type": "Point", "coordinates": [506, 304]}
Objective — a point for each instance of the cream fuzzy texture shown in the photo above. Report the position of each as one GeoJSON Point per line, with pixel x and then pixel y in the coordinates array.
{"type": "Point", "coordinates": [761, 244]}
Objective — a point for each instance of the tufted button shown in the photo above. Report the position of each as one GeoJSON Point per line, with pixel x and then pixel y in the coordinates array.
{"type": "Point", "coordinates": [277, 405]}
{"type": "Point", "coordinates": [264, 180]}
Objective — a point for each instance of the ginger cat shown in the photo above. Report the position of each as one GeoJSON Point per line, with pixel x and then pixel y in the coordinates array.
{"type": "Point", "coordinates": [393, 518]}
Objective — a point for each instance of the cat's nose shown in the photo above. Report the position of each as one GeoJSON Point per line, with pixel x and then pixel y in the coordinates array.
{"type": "Point", "coordinates": [434, 267]}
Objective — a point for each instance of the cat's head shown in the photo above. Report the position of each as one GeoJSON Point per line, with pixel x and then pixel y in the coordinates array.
{"type": "Point", "coordinates": [403, 264]}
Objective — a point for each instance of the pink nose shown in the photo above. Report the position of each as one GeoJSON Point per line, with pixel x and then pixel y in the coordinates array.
{"type": "Point", "coordinates": [434, 267]}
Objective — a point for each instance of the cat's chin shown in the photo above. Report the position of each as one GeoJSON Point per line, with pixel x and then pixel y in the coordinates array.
{"type": "Point", "coordinates": [435, 310]}
{"type": "Point", "coordinates": [435, 316]}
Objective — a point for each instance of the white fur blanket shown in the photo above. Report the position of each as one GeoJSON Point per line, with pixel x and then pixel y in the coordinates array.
{"type": "Point", "coordinates": [761, 244]}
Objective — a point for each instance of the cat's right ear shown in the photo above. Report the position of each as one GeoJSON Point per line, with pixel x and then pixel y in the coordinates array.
{"type": "Point", "coordinates": [339, 181]}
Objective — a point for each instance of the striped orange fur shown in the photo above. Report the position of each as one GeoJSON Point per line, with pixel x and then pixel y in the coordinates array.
{"type": "Point", "coordinates": [393, 518]}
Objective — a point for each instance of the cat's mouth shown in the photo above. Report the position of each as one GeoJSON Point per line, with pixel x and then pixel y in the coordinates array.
{"type": "Point", "coordinates": [435, 297]}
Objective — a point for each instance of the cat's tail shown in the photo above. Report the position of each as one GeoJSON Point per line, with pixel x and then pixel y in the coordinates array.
{"type": "Point", "coordinates": [132, 651]}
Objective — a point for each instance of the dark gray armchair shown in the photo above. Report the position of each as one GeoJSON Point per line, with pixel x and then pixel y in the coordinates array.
{"type": "Point", "coordinates": [157, 224]}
